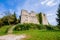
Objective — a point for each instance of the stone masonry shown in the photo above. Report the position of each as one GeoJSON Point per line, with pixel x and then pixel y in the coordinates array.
{"type": "Point", "coordinates": [44, 20]}
{"type": "Point", "coordinates": [31, 17]}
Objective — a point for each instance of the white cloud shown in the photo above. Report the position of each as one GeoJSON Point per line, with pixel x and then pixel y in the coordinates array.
{"type": "Point", "coordinates": [32, 5]}
{"type": "Point", "coordinates": [49, 3]}
{"type": "Point", "coordinates": [43, 2]}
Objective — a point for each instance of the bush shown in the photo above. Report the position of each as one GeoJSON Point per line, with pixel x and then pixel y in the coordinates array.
{"type": "Point", "coordinates": [19, 27]}
{"type": "Point", "coordinates": [55, 28]}
{"type": "Point", "coordinates": [49, 27]}
{"type": "Point", "coordinates": [33, 26]}
{"type": "Point", "coordinates": [26, 26]}
{"type": "Point", "coordinates": [22, 27]}
{"type": "Point", "coordinates": [58, 26]}
{"type": "Point", "coordinates": [42, 26]}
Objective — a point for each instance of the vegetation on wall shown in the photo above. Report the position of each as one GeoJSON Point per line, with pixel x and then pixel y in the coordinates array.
{"type": "Point", "coordinates": [40, 17]}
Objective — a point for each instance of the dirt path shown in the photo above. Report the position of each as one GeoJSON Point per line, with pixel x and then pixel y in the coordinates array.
{"type": "Point", "coordinates": [12, 37]}
{"type": "Point", "coordinates": [10, 30]}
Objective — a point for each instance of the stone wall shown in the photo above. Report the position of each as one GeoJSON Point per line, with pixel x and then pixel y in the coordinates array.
{"type": "Point", "coordinates": [27, 17]}
{"type": "Point", "coordinates": [44, 19]}
{"type": "Point", "coordinates": [31, 17]}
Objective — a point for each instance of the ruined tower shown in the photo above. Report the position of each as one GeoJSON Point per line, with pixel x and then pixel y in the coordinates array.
{"type": "Point", "coordinates": [31, 17]}
{"type": "Point", "coordinates": [44, 19]}
{"type": "Point", "coordinates": [27, 17]}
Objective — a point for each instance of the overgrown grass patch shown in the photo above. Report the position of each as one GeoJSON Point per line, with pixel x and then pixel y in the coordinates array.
{"type": "Point", "coordinates": [40, 34]}
{"type": "Point", "coordinates": [4, 29]}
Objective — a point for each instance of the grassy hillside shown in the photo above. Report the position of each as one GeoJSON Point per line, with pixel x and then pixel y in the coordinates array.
{"type": "Point", "coordinates": [4, 29]}
{"type": "Point", "coordinates": [40, 34]}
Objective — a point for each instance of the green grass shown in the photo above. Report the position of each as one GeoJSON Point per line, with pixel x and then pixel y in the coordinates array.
{"type": "Point", "coordinates": [34, 34]}
{"type": "Point", "coordinates": [40, 34]}
{"type": "Point", "coordinates": [3, 30]}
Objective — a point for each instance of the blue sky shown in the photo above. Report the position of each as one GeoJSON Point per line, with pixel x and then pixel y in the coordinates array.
{"type": "Point", "coordinates": [49, 7]}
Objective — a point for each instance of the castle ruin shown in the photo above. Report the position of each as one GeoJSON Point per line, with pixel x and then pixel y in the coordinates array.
{"type": "Point", "coordinates": [31, 17]}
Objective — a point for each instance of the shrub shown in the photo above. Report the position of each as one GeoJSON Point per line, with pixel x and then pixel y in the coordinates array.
{"type": "Point", "coordinates": [33, 26]}
{"type": "Point", "coordinates": [42, 26]}
{"type": "Point", "coordinates": [55, 28]}
{"type": "Point", "coordinates": [22, 27]}
{"type": "Point", "coordinates": [58, 26]}
{"type": "Point", "coordinates": [26, 26]}
{"type": "Point", "coordinates": [49, 27]}
{"type": "Point", "coordinates": [19, 27]}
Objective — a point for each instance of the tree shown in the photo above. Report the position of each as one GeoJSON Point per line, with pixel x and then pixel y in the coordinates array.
{"type": "Point", "coordinates": [58, 15]}
{"type": "Point", "coordinates": [7, 15]}
{"type": "Point", "coordinates": [5, 20]}
{"type": "Point", "coordinates": [15, 19]}
{"type": "Point", "coordinates": [8, 19]}
{"type": "Point", "coordinates": [1, 22]}
{"type": "Point", "coordinates": [40, 17]}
